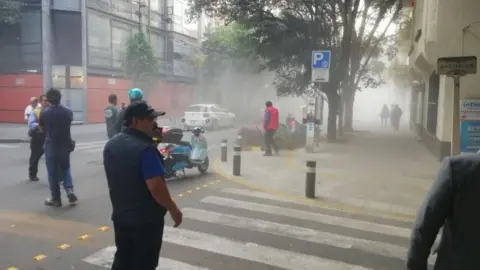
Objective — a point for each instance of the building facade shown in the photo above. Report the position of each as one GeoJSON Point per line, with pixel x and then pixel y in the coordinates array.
{"type": "Point", "coordinates": [433, 29]}
{"type": "Point", "coordinates": [79, 47]}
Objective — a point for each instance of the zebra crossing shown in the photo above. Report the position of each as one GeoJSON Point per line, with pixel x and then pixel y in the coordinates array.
{"type": "Point", "coordinates": [257, 213]}
{"type": "Point", "coordinates": [90, 147]}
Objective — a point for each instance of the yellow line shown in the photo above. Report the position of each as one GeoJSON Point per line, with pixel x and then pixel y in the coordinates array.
{"type": "Point", "coordinates": [321, 203]}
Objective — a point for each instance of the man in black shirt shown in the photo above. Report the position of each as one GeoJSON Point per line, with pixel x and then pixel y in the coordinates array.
{"type": "Point", "coordinates": [138, 192]}
{"type": "Point", "coordinates": [55, 122]}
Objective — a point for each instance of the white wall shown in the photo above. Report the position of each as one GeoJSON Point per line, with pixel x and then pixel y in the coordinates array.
{"type": "Point", "coordinates": [453, 16]}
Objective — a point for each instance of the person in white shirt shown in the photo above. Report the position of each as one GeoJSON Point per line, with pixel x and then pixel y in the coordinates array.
{"type": "Point", "coordinates": [33, 105]}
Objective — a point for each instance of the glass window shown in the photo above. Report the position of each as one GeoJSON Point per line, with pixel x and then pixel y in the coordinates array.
{"type": "Point", "coordinates": [98, 31]}
{"type": "Point", "coordinates": [155, 5]}
{"type": "Point", "coordinates": [158, 45]}
{"type": "Point", "coordinates": [76, 77]}
{"type": "Point", "coordinates": [197, 108]}
{"type": "Point", "coordinates": [59, 80]}
{"type": "Point", "coordinates": [99, 41]}
{"type": "Point", "coordinates": [122, 8]}
{"type": "Point", "coordinates": [31, 27]}
{"type": "Point", "coordinates": [119, 39]}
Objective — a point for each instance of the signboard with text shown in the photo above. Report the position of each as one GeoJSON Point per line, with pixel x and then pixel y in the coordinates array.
{"type": "Point", "coordinates": [470, 125]}
{"type": "Point", "coordinates": [461, 65]}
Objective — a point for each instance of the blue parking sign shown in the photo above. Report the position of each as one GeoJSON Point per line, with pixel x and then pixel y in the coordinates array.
{"type": "Point", "coordinates": [321, 59]}
{"type": "Point", "coordinates": [321, 66]}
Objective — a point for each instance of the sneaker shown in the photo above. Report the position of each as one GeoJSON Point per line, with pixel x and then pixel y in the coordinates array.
{"type": "Point", "coordinates": [34, 178]}
{"type": "Point", "coordinates": [72, 198]}
{"type": "Point", "coordinates": [53, 203]}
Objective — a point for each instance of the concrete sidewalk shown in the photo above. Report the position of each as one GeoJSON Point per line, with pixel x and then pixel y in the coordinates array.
{"type": "Point", "coordinates": [380, 170]}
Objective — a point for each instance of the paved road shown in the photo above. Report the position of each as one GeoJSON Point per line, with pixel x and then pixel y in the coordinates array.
{"type": "Point", "coordinates": [226, 226]}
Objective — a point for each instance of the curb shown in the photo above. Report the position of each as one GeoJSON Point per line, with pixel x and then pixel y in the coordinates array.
{"type": "Point", "coordinates": [320, 203]}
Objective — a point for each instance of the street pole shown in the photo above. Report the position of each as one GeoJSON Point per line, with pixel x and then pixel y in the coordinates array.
{"type": "Point", "coordinates": [455, 144]}
{"type": "Point", "coordinates": [46, 45]}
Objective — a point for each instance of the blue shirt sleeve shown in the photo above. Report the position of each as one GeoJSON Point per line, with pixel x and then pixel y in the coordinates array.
{"type": "Point", "coordinates": [152, 165]}
{"type": "Point", "coordinates": [32, 120]}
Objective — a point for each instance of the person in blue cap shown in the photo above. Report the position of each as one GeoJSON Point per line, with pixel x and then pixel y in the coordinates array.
{"type": "Point", "coordinates": [134, 94]}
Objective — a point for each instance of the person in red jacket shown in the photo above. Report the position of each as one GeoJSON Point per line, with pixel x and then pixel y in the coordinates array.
{"type": "Point", "coordinates": [270, 124]}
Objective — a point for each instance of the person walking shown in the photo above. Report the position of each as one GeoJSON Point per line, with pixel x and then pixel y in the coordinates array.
{"type": "Point", "coordinates": [396, 116]}
{"type": "Point", "coordinates": [55, 122]}
{"type": "Point", "coordinates": [134, 94]}
{"type": "Point", "coordinates": [270, 124]}
{"type": "Point", "coordinates": [37, 138]}
{"type": "Point", "coordinates": [384, 115]}
{"type": "Point", "coordinates": [138, 191]}
{"type": "Point", "coordinates": [111, 114]}
{"type": "Point", "coordinates": [452, 203]}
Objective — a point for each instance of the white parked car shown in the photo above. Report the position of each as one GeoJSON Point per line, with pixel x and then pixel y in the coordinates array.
{"type": "Point", "coordinates": [196, 115]}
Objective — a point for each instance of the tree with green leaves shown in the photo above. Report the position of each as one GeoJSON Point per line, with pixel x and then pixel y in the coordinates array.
{"type": "Point", "coordinates": [10, 11]}
{"type": "Point", "coordinates": [141, 65]}
{"type": "Point", "coordinates": [286, 32]}
{"type": "Point", "coordinates": [224, 48]}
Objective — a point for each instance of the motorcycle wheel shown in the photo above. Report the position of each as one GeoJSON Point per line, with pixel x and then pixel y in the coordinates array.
{"type": "Point", "coordinates": [204, 167]}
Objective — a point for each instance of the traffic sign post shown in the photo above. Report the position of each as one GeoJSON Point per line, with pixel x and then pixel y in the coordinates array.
{"type": "Point", "coordinates": [456, 67]}
{"type": "Point", "coordinates": [321, 66]}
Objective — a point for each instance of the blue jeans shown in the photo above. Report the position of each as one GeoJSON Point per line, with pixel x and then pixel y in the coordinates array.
{"type": "Point", "coordinates": [58, 169]}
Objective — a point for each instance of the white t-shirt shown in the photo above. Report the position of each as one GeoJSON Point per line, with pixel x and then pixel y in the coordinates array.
{"type": "Point", "coordinates": [29, 109]}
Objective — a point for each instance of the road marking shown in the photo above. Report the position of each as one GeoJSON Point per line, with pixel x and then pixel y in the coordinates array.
{"type": "Point", "coordinates": [311, 216]}
{"type": "Point", "coordinates": [84, 237]}
{"type": "Point", "coordinates": [104, 258]}
{"type": "Point", "coordinates": [284, 259]}
{"type": "Point", "coordinates": [12, 268]}
{"type": "Point", "coordinates": [39, 257]}
{"type": "Point", "coordinates": [8, 146]}
{"type": "Point", "coordinates": [300, 233]}
{"type": "Point", "coordinates": [104, 228]}
{"type": "Point", "coordinates": [63, 247]}
{"type": "Point", "coordinates": [259, 194]}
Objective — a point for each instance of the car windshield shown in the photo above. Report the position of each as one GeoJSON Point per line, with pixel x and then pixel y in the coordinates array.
{"type": "Point", "coordinates": [196, 108]}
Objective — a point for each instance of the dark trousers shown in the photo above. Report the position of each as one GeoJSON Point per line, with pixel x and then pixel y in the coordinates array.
{"type": "Point", "coordinates": [384, 121]}
{"type": "Point", "coordinates": [270, 142]}
{"type": "Point", "coordinates": [36, 152]}
{"type": "Point", "coordinates": [138, 247]}
{"type": "Point", "coordinates": [58, 168]}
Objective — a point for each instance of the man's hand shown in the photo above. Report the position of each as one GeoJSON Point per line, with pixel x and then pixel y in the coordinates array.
{"type": "Point", "coordinates": [177, 216]}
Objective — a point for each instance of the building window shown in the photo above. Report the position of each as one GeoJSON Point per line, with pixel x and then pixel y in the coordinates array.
{"type": "Point", "coordinates": [433, 92]}
{"type": "Point", "coordinates": [99, 41]}
{"type": "Point", "coordinates": [31, 40]}
{"type": "Point", "coordinates": [158, 45]}
{"type": "Point", "coordinates": [119, 40]}
{"type": "Point", "coordinates": [122, 8]}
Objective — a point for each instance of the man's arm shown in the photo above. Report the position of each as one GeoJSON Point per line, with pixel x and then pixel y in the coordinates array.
{"type": "Point", "coordinates": [153, 174]}
{"type": "Point", "coordinates": [266, 119]}
{"type": "Point", "coordinates": [27, 112]}
{"type": "Point", "coordinates": [32, 121]}
{"type": "Point", "coordinates": [431, 217]}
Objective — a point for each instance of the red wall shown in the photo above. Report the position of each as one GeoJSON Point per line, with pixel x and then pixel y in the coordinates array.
{"type": "Point", "coordinates": [16, 91]}
{"type": "Point", "coordinates": [15, 94]}
{"type": "Point", "coordinates": [161, 98]}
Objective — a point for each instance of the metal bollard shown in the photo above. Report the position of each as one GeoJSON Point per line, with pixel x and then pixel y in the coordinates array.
{"type": "Point", "coordinates": [236, 160]}
{"type": "Point", "coordinates": [310, 179]}
{"type": "Point", "coordinates": [223, 147]}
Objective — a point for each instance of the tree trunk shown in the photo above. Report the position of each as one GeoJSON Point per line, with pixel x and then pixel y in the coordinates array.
{"type": "Point", "coordinates": [349, 100]}
{"type": "Point", "coordinates": [332, 116]}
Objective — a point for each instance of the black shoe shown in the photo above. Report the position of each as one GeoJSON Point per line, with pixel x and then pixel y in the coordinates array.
{"type": "Point", "coordinates": [72, 198]}
{"type": "Point", "coordinates": [53, 203]}
{"type": "Point", "coordinates": [33, 178]}
{"type": "Point", "coordinates": [267, 155]}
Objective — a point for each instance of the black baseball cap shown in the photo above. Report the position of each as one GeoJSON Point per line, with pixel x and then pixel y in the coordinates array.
{"type": "Point", "coordinates": [140, 109]}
